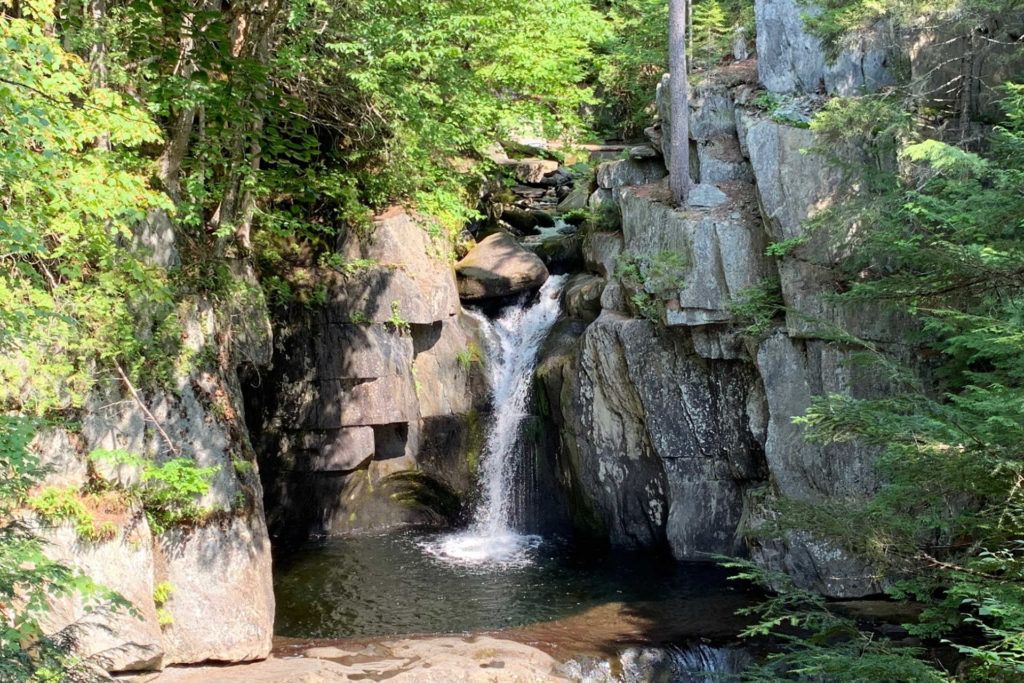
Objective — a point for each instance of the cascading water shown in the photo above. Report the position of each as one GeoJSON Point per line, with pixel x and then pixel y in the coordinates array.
{"type": "Point", "coordinates": [511, 345]}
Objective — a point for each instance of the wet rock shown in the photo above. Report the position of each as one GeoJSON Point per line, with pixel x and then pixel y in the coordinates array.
{"type": "Point", "coordinates": [521, 220]}
{"type": "Point", "coordinates": [498, 266]}
{"type": "Point", "coordinates": [789, 59]}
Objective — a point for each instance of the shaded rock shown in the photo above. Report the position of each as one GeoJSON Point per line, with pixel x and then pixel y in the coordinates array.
{"type": "Point", "coordinates": [577, 198]}
{"type": "Point", "coordinates": [340, 450]}
{"type": "Point", "coordinates": [557, 179]}
{"type": "Point", "coordinates": [343, 351]}
{"type": "Point", "coordinates": [814, 564]}
{"type": "Point", "coordinates": [938, 66]}
{"type": "Point", "coordinates": [521, 220]}
{"type": "Point", "coordinates": [789, 59]}
{"type": "Point", "coordinates": [408, 273]}
{"type": "Point", "coordinates": [581, 296]}
{"type": "Point", "coordinates": [601, 252]}
{"type": "Point", "coordinates": [544, 219]}
{"type": "Point", "coordinates": [600, 197]}
{"type": "Point", "coordinates": [613, 298]}
{"type": "Point", "coordinates": [558, 251]}
{"type": "Point", "coordinates": [642, 152]}
{"type": "Point", "coordinates": [654, 433]}
{"type": "Point", "coordinates": [533, 171]}
{"type": "Point", "coordinates": [449, 367]}
{"type": "Point", "coordinates": [794, 372]}
{"type": "Point", "coordinates": [498, 266]}
{"type": "Point", "coordinates": [210, 567]}
{"type": "Point", "coordinates": [717, 342]}
{"type": "Point", "coordinates": [156, 239]}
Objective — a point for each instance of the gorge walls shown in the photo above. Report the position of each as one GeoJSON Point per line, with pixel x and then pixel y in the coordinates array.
{"type": "Point", "coordinates": [676, 419]}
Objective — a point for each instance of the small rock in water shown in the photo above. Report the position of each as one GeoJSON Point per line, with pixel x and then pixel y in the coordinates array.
{"type": "Point", "coordinates": [705, 195]}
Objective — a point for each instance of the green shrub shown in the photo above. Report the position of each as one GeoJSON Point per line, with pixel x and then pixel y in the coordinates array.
{"type": "Point", "coordinates": [169, 491]}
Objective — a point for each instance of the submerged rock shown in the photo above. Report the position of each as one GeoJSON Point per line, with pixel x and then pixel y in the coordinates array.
{"type": "Point", "coordinates": [498, 266]}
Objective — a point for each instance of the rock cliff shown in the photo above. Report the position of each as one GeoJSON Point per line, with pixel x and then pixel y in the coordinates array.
{"type": "Point", "coordinates": [676, 421]}
{"type": "Point", "coordinates": [202, 567]}
{"type": "Point", "coordinates": [371, 416]}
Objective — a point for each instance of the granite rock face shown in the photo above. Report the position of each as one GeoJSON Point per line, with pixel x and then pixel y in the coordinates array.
{"type": "Point", "coordinates": [207, 564]}
{"type": "Point", "coordinates": [658, 438]}
{"type": "Point", "coordinates": [357, 419]}
{"type": "Point", "coordinates": [723, 246]}
{"type": "Point", "coordinates": [789, 59]}
{"type": "Point", "coordinates": [679, 432]}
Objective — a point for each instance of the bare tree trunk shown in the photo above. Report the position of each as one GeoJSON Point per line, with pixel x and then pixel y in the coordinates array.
{"type": "Point", "coordinates": [679, 96]}
{"type": "Point", "coordinates": [97, 10]}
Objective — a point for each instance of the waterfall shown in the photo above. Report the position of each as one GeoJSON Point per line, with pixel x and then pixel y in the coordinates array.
{"type": "Point", "coordinates": [511, 344]}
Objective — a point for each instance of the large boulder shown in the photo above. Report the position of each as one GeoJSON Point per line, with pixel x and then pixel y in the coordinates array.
{"type": "Point", "coordinates": [615, 175]}
{"type": "Point", "coordinates": [533, 171]}
{"type": "Point", "coordinates": [125, 639]}
{"type": "Point", "coordinates": [403, 272]}
{"type": "Point", "coordinates": [498, 266]}
{"type": "Point", "coordinates": [222, 602]}
{"type": "Point", "coordinates": [789, 59]}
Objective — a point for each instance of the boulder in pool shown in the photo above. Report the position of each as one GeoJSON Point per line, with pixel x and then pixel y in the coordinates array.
{"type": "Point", "coordinates": [498, 266]}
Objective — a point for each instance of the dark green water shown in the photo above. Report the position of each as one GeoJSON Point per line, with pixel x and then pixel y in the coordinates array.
{"type": "Point", "coordinates": [386, 585]}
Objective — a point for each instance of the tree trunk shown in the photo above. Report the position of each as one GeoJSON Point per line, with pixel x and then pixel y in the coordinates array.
{"type": "Point", "coordinates": [679, 96]}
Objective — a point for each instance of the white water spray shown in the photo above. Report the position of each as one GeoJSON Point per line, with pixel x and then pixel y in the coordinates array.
{"type": "Point", "coordinates": [511, 346]}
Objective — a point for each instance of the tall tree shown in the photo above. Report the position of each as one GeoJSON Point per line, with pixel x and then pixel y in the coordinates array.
{"type": "Point", "coordinates": [679, 87]}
